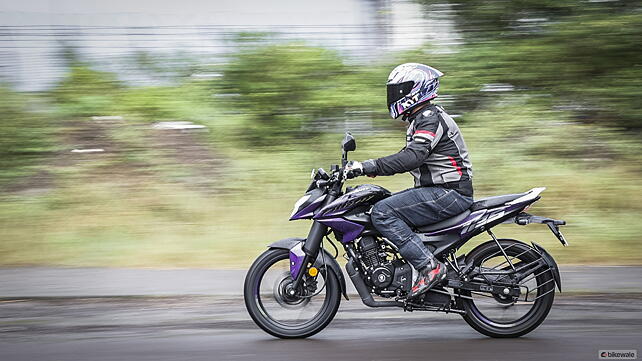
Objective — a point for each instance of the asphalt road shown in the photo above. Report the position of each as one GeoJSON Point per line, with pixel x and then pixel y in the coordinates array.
{"type": "Point", "coordinates": [218, 328]}
{"type": "Point", "coordinates": [97, 282]}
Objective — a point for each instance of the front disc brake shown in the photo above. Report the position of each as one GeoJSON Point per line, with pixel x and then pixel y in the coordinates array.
{"type": "Point", "coordinates": [282, 293]}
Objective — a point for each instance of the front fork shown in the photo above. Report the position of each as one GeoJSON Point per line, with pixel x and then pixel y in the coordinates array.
{"type": "Point", "coordinates": [301, 256]}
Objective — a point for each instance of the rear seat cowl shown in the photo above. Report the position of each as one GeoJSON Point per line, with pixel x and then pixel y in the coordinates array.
{"type": "Point", "coordinates": [495, 201]}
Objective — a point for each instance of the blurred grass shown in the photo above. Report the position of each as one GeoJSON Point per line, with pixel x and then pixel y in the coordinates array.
{"type": "Point", "coordinates": [106, 212]}
{"type": "Point", "coordinates": [216, 197]}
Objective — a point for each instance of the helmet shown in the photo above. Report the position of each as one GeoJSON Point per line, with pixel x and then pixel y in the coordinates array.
{"type": "Point", "coordinates": [409, 85]}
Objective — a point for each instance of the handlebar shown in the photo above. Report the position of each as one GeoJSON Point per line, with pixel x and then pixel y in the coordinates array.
{"type": "Point", "coordinates": [335, 176]}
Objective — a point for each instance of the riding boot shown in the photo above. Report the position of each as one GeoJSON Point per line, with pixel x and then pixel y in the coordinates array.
{"type": "Point", "coordinates": [429, 276]}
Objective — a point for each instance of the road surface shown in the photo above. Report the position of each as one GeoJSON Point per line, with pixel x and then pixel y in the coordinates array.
{"type": "Point", "coordinates": [68, 282]}
{"type": "Point", "coordinates": [218, 328]}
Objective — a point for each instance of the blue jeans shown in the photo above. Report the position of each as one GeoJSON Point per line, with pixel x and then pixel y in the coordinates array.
{"type": "Point", "coordinates": [394, 216]}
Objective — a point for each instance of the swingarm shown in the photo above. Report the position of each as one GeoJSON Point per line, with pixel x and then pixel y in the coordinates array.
{"type": "Point", "coordinates": [497, 289]}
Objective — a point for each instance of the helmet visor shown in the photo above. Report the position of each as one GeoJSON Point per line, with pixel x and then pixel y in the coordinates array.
{"type": "Point", "coordinates": [398, 91]}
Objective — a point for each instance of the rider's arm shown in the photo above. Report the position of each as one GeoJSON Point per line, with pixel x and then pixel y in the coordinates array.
{"type": "Point", "coordinates": [428, 132]}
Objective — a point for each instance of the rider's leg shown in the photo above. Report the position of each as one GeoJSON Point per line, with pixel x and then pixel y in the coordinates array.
{"type": "Point", "coordinates": [394, 216]}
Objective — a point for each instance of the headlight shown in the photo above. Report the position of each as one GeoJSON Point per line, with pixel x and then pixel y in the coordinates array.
{"type": "Point", "coordinates": [299, 203]}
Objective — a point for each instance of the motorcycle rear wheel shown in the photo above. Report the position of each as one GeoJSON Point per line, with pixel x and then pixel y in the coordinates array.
{"type": "Point", "coordinates": [541, 301]}
{"type": "Point", "coordinates": [257, 294]}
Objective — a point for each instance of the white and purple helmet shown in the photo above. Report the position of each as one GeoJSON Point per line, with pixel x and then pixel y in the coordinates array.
{"type": "Point", "coordinates": [409, 85]}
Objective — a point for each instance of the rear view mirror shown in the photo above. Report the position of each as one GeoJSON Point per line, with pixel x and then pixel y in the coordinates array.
{"type": "Point", "coordinates": [348, 144]}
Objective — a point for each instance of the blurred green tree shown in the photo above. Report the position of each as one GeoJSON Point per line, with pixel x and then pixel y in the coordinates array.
{"type": "Point", "coordinates": [153, 103]}
{"type": "Point", "coordinates": [85, 91]}
{"type": "Point", "coordinates": [285, 88]}
{"type": "Point", "coordinates": [25, 136]}
{"type": "Point", "coordinates": [567, 48]}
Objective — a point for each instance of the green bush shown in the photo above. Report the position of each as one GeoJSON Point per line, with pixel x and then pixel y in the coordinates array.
{"type": "Point", "coordinates": [284, 89]}
{"type": "Point", "coordinates": [25, 136]}
{"type": "Point", "coordinates": [85, 91]}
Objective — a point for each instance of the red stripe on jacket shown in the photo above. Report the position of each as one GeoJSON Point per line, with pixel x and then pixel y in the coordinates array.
{"type": "Point", "coordinates": [425, 132]}
{"type": "Point", "coordinates": [454, 163]}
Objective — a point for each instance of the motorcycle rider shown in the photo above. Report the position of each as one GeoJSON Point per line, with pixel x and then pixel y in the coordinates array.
{"type": "Point", "coordinates": [436, 156]}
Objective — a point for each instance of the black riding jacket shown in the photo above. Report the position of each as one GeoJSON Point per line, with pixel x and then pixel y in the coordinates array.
{"type": "Point", "coordinates": [435, 153]}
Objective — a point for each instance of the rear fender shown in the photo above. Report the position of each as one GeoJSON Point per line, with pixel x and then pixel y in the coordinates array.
{"type": "Point", "coordinates": [291, 243]}
{"type": "Point", "coordinates": [550, 262]}
{"type": "Point", "coordinates": [548, 259]}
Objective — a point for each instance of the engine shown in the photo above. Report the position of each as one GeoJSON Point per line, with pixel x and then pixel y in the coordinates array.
{"type": "Point", "coordinates": [386, 275]}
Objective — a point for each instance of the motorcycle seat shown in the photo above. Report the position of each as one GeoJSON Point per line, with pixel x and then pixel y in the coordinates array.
{"type": "Point", "coordinates": [449, 222]}
{"type": "Point", "coordinates": [483, 203]}
{"type": "Point", "coordinates": [491, 202]}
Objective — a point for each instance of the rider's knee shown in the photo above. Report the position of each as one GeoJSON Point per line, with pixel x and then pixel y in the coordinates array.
{"type": "Point", "coordinates": [380, 212]}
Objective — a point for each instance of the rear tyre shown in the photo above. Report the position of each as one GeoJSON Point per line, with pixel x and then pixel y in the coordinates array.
{"type": "Point", "coordinates": [283, 315]}
{"type": "Point", "coordinates": [535, 310]}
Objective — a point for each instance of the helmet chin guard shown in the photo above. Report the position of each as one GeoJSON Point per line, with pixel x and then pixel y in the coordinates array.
{"type": "Point", "coordinates": [409, 85]}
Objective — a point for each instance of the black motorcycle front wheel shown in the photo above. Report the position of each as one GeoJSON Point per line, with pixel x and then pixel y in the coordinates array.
{"type": "Point", "coordinates": [273, 309]}
{"type": "Point", "coordinates": [505, 316]}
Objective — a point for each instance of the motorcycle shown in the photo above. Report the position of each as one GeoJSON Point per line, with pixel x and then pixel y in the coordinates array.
{"type": "Point", "coordinates": [501, 288]}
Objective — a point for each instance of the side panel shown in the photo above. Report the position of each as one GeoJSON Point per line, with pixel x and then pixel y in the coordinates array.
{"type": "Point", "coordinates": [495, 216]}
{"type": "Point", "coordinates": [291, 243]}
{"type": "Point", "coordinates": [350, 230]}
{"type": "Point", "coordinates": [461, 227]}
{"type": "Point", "coordinates": [441, 243]}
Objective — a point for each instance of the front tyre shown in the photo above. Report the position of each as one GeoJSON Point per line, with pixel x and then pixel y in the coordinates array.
{"type": "Point", "coordinates": [278, 313]}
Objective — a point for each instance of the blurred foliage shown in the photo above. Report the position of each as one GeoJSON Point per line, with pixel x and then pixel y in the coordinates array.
{"type": "Point", "coordinates": [286, 88]}
{"type": "Point", "coordinates": [568, 118]}
{"type": "Point", "coordinates": [25, 136]}
{"type": "Point", "coordinates": [512, 18]}
{"type": "Point", "coordinates": [568, 49]}
{"type": "Point", "coordinates": [85, 91]}
{"type": "Point", "coordinates": [152, 103]}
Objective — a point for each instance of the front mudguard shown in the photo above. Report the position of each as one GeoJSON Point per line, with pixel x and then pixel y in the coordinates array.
{"type": "Point", "coordinates": [290, 243]}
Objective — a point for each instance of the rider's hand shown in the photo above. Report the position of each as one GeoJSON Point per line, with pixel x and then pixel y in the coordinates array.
{"type": "Point", "coordinates": [353, 169]}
